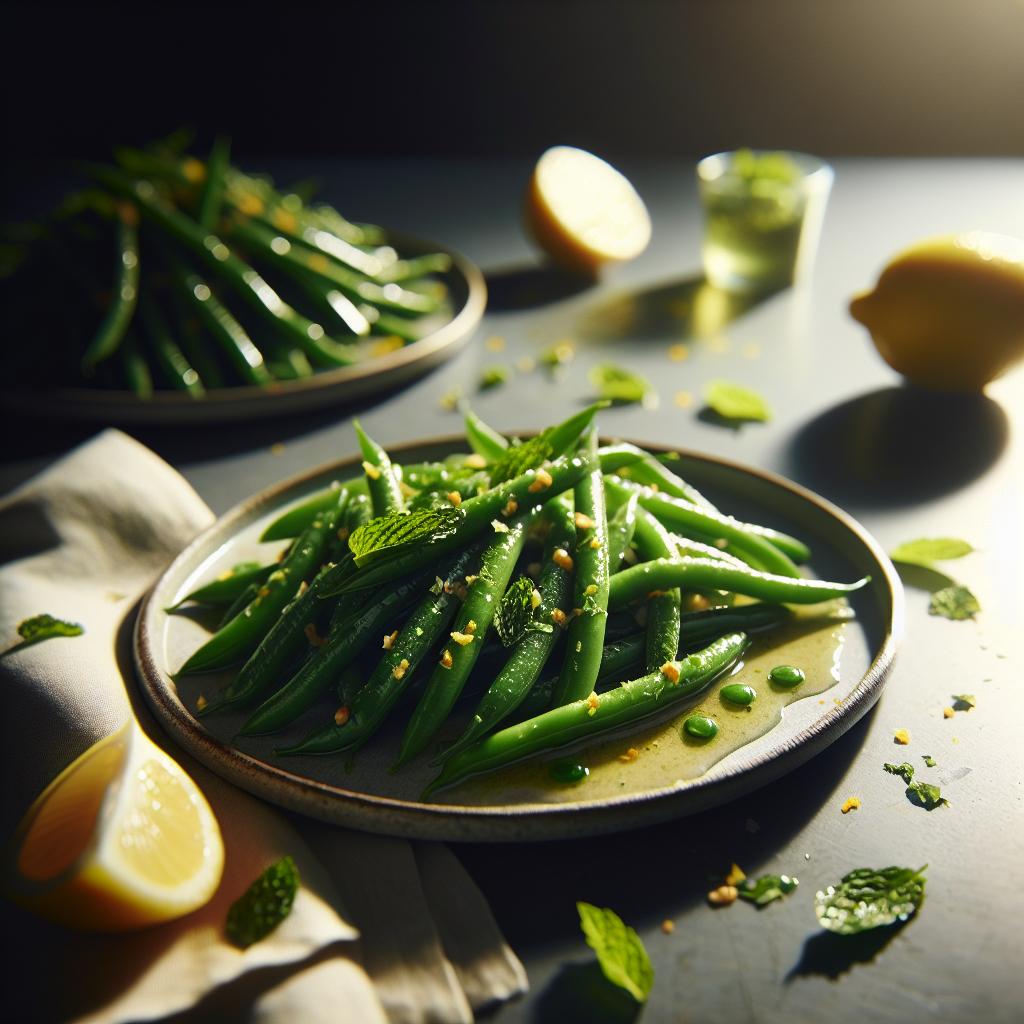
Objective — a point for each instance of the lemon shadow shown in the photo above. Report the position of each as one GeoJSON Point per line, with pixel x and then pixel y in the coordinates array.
{"type": "Point", "coordinates": [899, 446]}
{"type": "Point", "coordinates": [531, 286]}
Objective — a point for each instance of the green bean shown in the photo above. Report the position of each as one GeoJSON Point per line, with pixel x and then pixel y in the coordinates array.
{"type": "Point", "coordinates": [169, 357]}
{"type": "Point", "coordinates": [343, 646]}
{"type": "Point", "coordinates": [585, 719]}
{"type": "Point", "coordinates": [226, 587]}
{"type": "Point", "coordinates": [194, 344]}
{"type": "Point", "coordinates": [662, 573]}
{"type": "Point", "coordinates": [397, 666]}
{"type": "Point", "coordinates": [111, 332]}
{"type": "Point", "coordinates": [655, 474]}
{"type": "Point", "coordinates": [212, 195]}
{"type": "Point", "coordinates": [694, 548]}
{"type": "Point", "coordinates": [239, 638]}
{"type": "Point", "coordinates": [385, 492]}
{"type": "Point", "coordinates": [415, 266]}
{"type": "Point", "coordinates": [678, 515]}
{"type": "Point", "coordinates": [663, 610]}
{"type": "Point", "coordinates": [328, 298]}
{"type": "Point", "coordinates": [621, 528]}
{"type": "Point", "coordinates": [248, 595]}
{"type": "Point", "coordinates": [471, 624]}
{"type": "Point", "coordinates": [484, 440]}
{"type": "Point", "coordinates": [529, 656]}
{"type": "Point", "coordinates": [135, 368]}
{"type": "Point", "coordinates": [585, 636]}
{"type": "Point", "coordinates": [291, 523]}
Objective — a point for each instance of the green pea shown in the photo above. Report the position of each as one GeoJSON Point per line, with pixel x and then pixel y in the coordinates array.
{"type": "Point", "coordinates": [787, 676]}
{"type": "Point", "coordinates": [701, 727]}
{"type": "Point", "coordinates": [569, 773]}
{"type": "Point", "coordinates": [739, 693]}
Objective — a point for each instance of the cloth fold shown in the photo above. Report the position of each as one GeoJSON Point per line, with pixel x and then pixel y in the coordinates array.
{"type": "Point", "coordinates": [383, 930]}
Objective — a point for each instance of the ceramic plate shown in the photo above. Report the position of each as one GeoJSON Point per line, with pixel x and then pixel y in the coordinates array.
{"type": "Point", "coordinates": [641, 778]}
{"type": "Point", "coordinates": [447, 334]}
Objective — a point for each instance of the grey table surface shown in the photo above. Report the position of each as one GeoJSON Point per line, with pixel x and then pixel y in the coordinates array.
{"type": "Point", "coordinates": [906, 465]}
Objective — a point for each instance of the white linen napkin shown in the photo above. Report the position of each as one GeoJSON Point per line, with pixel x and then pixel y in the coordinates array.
{"type": "Point", "coordinates": [83, 541]}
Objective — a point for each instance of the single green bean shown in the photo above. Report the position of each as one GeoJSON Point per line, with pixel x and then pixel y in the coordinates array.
{"type": "Point", "coordinates": [484, 440]}
{"type": "Point", "coordinates": [585, 636]}
{"type": "Point", "coordinates": [585, 719]}
{"type": "Point", "coordinates": [385, 492]}
{"type": "Point", "coordinates": [169, 357]}
{"type": "Point", "coordinates": [212, 196]}
{"type": "Point", "coordinates": [621, 528]}
{"type": "Point", "coordinates": [663, 610]}
{"type": "Point", "coordinates": [136, 370]}
{"type": "Point", "coordinates": [111, 332]}
{"type": "Point", "coordinates": [247, 596]}
{"type": "Point", "coordinates": [226, 587]}
{"type": "Point", "coordinates": [292, 522]}
{"type": "Point", "coordinates": [640, 580]}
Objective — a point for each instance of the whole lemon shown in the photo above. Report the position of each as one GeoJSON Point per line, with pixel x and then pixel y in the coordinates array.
{"type": "Point", "coordinates": [948, 313]}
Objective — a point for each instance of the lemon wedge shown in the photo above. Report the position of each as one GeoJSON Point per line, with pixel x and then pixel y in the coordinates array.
{"type": "Point", "coordinates": [948, 313]}
{"type": "Point", "coordinates": [121, 839]}
{"type": "Point", "coordinates": [583, 212]}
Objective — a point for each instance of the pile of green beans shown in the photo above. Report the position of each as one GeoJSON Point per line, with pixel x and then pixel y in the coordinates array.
{"type": "Point", "coordinates": [179, 274]}
{"type": "Point", "coordinates": [383, 603]}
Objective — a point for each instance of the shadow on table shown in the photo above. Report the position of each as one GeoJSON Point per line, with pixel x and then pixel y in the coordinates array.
{"type": "Point", "coordinates": [580, 992]}
{"type": "Point", "coordinates": [530, 286]}
{"type": "Point", "coordinates": [628, 871]}
{"type": "Point", "coordinates": [676, 310]}
{"type": "Point", "coordinates": [830, 955]}
{"type": "Point", "coordinates": [899, 446]}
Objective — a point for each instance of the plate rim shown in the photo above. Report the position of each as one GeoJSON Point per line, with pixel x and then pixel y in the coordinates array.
{"type": "Point", "coordinates": [417, 819]}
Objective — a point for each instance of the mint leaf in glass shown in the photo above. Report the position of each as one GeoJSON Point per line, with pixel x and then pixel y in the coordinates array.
{"type": "Point", "coordinates": [621, 954]}
{"type": "Point", "coordinates": [870, 898]}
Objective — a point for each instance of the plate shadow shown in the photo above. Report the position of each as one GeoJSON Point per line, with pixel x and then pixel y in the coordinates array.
{"type": "Point", "coordinates": [510, 289]}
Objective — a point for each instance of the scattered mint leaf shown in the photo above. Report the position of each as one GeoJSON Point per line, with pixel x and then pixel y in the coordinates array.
{"type": "Point", "coordinates": [927, 551]}
{"type": "Point", "coordinates": [870, 898]}
{"type": "Point", "coordinates": [514, 617]}
{"type": "Point", "coordinates": [384, 534]}
{"type": "Point", "coordinates": [558, 355]}
{"type": "Point", "coordinates": [905, 771]}
{"type": "Point", "coordinates": [43, 627]}
{"type": "Point", "coordinates": [494, 377]}
{"type": "Point", "coordinates": [617, 384]}
{"type": "Point", "coordinates": [929, 761]}
{"type": "Point", "coordinates": [963, 701]}
{"type": "Point", "coordinates": [519, 458]}
{"type": "Point", "coordinates": [735, 402]}
{"type": "Point", "coordinates": [925, 795]}
{"type": "Point", "coordinates": [621, 954]}
{"type": "Point", "coordinates": [264, 905]}
{"type": "Point", "coordinates": [766, 889]}
{"type": "Point", "coordinates": [955, 602]}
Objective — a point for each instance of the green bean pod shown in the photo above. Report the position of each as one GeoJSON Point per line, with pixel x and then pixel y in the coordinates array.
{"type": "Point", "coordinates": [292, 522]}
{"type": "Point", "coordinates": [343, 646]}
{"type": "Point", "coordinates": [212, 195]}
{"type": "Point", "coordinates": [484, 440]}
{"type": "Point", "coordinates": [136, 370]}
{"type": "Point", "coordinates": [621, 528]}
{"type": "Point", "coordinates": [397, 666]}
{"type": "Point", "coordinates": [529, 656]}
{"type": "Point", "coordinates": [176, 368]}
{"type": "Point", "coordinates": [224, 590]}
{"type": "Point", "coordinates": [385, 492]}
{"type": "Point", "coordinates": [241, 636]}
{"type": "Point", "coordinates": [662, 573]}
{"type": "Point", "coordinates": [586, 719]}
{"type": "Point", "coordinates": [471, 624]}
{"type": "Point", "coordinates": [664, 609]}
{"type": "Point", "coordinates": [243, 600]}
{"type": "Point", "coordinates": [585, 636]}
{"type": "Point", "coordinates": [111, 332]}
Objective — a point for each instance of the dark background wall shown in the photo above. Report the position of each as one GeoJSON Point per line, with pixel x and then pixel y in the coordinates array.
{"type": "Point", "coordinates": [647, 76]}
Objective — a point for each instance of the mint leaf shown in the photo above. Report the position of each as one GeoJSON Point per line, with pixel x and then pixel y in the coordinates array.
{"type": "Point", "coordinates": [927, 551]}
{"type": "Point", "coordinates": [514, 617]}
{"type": "Point", "coordinates": [925, 795]}
{"type": "Point", "coordinates": [766, 889]}
{"type": "Point", "coordinates": [929, 761]}
{"type": "Point", "coordinates": [963, 701]}
{"type": "Point", "coordinates": [494, 377]}
{"type": "Point", "coordinates": [955, 602]}
{"type": "Point", "coordinates": [617, 384]}
{"type": "Point", "coordinates": [905, 771]}
{"type": "Point", "coordinates": [519, 458]}
{"type": "Point", "coordinates": [870, 898]}
{"type": "Point", "coordinates": [621, 954]}
{"type": "Point", "coordinates": [384, 534]}
{"type": "Point", "coordinates": [43, 627]}
{"type": "Point", "coordinates": [264, 905]}
{"type": "Point", "coordinates": [735, 402]}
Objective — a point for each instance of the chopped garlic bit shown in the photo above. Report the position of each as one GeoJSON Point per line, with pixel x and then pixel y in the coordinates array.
{"type": "Point", "coordinates": [471, 627]}
{"type": "Point", "coordinates": [511, 508]}
{"type": "Point", "coordinates": [948, 712]}
{"type": "Point", "coordinates": [558, 616]}
{"type": "Point", "coordinates": [470, 580]}
{"type": "Point", "coordinates": [389, 640]}
{"type": "Point", "coordinates": [562, 559]}
{"type": "Point", "coordinates": [303, 587]}
{"type": "Point", "coordinates": [723, 895]}
{"type": "Point", "coordinates": [629, 756]}
{"type": "Point", "coordinates": [341, 715]}
{"type": "Point", "coordinates": [201, 702]}
{"type": "Point", "coordinates": [695, 603]}
{"type": "Point", "coordinates": [593, 703]}
{"type": "Point", "coordinates": [541, 482]}
{"type": "Point", "coordinates": [901, 736]}
{"type": "Point", "coordinates": [495, 343]}
{"type": "Point", "coordinates": [399, 670]}
{"type": "Point", "coordinates": [668, 927]}
{"type": "Point", "coordinates": [498, 526]}
{"type": "Point", "coordinates": [735, 876]}
{"type": "Point", "coordinates": [595, 543]}
{"type": "Point", "coordinates": [535, 598]}
{"type": "Point", "coordinates": [475, 461]}
{"type": "Point", "coordinates": [454, 498]}
{"type": "Point", "coordinates": [583, 521]}
{"type": "Point", "coordinates": [462, 639]}
{"type": "Point", "coordinates": [314, 638]}
{"type": "Point", "coordinates": [446, 659]}
{"type": "Point", "coordinates": [851, 804]}
{"type": "Point", "coordinates": [343, 534]}
{"type": "Point", "coordinates": [591, 590]}
{"type": "Point", "coordinates": [670, 670]}
{"type": "Point", "coordinates": [372, 471]}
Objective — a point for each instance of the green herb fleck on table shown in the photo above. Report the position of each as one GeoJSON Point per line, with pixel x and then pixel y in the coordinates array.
{"type": "Point", "coordinates": [736, 402]}
{"type": "Point", "coordinates": [450, 400]}
{"type": "Point", "coordinates": [963, 701]}
{"type": "Point", "coordinates": [766, 889]}
{"type": "Point", "coordinates": [955, 602]}
{"type": "Point", "coordinates": [264, 905]}
{"type": "Point", "coordinates": [557, 355]}
{"type": "Point", "coordinates": [617, 384]}
{"type": "Point", "coordinates": [620, 953]}
{"type": "Point", "coordinates": [927, 551]}
{"type": "Point", "coordinates": [869, 898]}
{"type": "Point", "coordinates": [43, 627]}
{"type": "Point", "coordinates": [925, 795]}
{"type": "Point", "coordinates": [515, 615]}
{"type": "Point", "coordinates": [494, 377]}
{"type": "Point", "coordinates": [905, 771]}
{"type": "Point", "coordinates": [929, 761]}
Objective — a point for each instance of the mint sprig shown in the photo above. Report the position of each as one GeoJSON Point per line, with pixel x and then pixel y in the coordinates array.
{"type": "Point", "coordinates": [43, 627]}
{"type": "Point", "coordinates": [515, 615]}
{"type": "Point", "coordinates": [870, 898]}
{"type": "Point", "coordinates": [264, 905]}
{"type": "Point", "coordinates": [620, 953]}
{"type": "Point", "coordinates": [384, 535]}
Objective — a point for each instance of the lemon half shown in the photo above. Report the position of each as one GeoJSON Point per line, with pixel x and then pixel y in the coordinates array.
{"type": "Point", "coordinates": [948, 313]}
{"type": "Point", "coordinates": [121, 839]}
{"type": "Point", "coordinates": [583, 212]}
